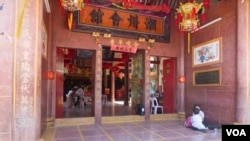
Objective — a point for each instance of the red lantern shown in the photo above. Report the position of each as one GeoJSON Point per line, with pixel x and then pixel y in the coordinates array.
{"type": "Point", "coordinates": [50, 75]}
{"type": "Point", "coordinates": [181, 79]}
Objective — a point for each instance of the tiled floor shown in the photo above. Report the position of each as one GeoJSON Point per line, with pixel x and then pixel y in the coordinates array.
{"type": "Point", "coordinates": [168, 130]}
{"type": "Point", "coordinates": [108, 109]}
{"type": "Point", "coordinates": [154, 130]}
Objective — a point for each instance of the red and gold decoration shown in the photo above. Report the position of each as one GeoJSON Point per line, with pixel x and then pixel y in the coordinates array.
{"type": "Point", "coordinates": [21, 17]}
{"type": "Point", "coordinates": [96, 35]}
{"type": "Point", "coordinates": [131, 4]}
{"type": "Point", "coordinates": [123, 24]}
{"type": "Point", "coordinates": [123, 48]}
{"type": "Point", "coordinates": [71, 6]}
{"type": "Point", "coordinates": [150, 43]}
{"type": "Point", "coordinates": [189, 16]}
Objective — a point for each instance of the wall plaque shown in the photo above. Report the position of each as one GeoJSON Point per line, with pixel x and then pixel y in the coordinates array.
{"type": "Point", "coordinates": [209, 77]}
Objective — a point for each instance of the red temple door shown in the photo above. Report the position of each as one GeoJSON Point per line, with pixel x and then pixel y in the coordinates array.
{"type": "Point", "coordinates": [59, 81]}
{"type": "Point", "coordinates": [168, 85]}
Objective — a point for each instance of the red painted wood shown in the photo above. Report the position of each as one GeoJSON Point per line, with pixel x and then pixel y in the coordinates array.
{"type": "Point", "coordinates": [168, 85]}
{"type": "Point", "coordinates": [59, 82]}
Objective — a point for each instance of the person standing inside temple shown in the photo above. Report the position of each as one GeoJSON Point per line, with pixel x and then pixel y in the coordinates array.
{"type": "Point", "coordinates": [70, 97]}
{"type": "Point", "coordinates": [79, 94]}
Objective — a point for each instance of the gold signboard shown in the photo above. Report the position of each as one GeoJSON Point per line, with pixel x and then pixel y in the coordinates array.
{"type": "Point", "coordinates": [122, 23]}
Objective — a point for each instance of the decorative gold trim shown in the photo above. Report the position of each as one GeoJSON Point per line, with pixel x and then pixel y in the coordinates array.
{"type": "Point", "coordinates": [36, 57]}
{"type": "Point", "coordinates": [44, 37]}
{"type": "Point", "coordinates": [20, 20]}
{"type": "Point", "coordinates": [204, 71]}
{"type": "Point", "coordinates": [14, 60]}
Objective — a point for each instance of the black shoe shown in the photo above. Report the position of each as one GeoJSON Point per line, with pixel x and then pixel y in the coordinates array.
{"type": "Point", "coordinates": [203, 130]}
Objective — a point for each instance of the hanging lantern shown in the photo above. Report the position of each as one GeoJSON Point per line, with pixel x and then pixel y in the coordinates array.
{"type": "Point", "coordinates": [181, 79]}
{"type": "Point", "coordinates": [188, 17]}
{"type": "Point", "coordinates": [50, 75]}
{"type": "Point", "coordinates": [71, 6]}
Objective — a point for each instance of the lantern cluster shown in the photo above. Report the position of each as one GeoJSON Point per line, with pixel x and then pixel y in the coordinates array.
{"type": "Point", "coordinates": [189, 15]}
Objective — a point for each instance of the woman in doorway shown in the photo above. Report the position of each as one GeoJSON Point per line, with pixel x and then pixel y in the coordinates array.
{"type": "Point", "coordinates": [70, 97]}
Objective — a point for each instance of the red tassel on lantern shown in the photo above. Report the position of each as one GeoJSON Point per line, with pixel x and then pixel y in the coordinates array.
{"type": "Point", "coordinates": [202, 18]}
{"type": "Point", "coordinates": [176, 20]}
{"type": "Point", "coordinates": [193, 13]}
{"type": "Point", "coordinates": [206, 3]}
{"type": "Point", "coordinates": [179, 17]}
{"type": "Point", "coordinates": [61, 7]}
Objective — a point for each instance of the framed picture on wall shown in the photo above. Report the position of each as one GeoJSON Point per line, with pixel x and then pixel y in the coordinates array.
{"type": "Point", "coordinates": [207, 53]}
{"type": "Point", "coordinates": [208, 77]}
{"type": "Point", "coordinates": [44, 41]}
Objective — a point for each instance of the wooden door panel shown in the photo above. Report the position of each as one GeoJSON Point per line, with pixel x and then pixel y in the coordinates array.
{"type": "Point", "coordinates": [168, 85]}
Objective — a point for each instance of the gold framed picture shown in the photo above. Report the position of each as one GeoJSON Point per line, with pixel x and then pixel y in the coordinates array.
{"type": "Point", "coordinates": [207, 53]}
{"type": "Point", "coordinates": [44, 41]}
{"type": "Point", "coordinates": [208, 77]}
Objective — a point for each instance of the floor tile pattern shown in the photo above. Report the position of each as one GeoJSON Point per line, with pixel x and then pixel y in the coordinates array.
{"type": "Point", "coordinates": [167, 130]}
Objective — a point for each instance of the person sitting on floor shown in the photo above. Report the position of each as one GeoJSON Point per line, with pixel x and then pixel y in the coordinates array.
{"type": "Point", "coordinates": [201, 113]}
{"type": "Point", "coordinates": [196, 121]}
{"type": "Point", "coordinates": [207, 124]}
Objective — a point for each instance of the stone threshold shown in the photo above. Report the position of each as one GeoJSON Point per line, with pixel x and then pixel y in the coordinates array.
{"type": "Point", "coordinates": [114, 119]}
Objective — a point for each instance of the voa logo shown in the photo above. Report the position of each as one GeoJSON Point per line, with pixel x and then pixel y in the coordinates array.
{"type": "Point", "coordinates": [236, 132]}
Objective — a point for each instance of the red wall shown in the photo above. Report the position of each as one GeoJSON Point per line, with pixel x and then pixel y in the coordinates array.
{"type": "Point", "coordinates": [218, 102]}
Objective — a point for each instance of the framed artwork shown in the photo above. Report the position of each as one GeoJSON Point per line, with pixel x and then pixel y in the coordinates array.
{"type": "Point", "coordinates": [44, 41]}
{"type": "Point", "coordinates": [207, 53]}
{"type": "Point", "coordinates": [208, 77]}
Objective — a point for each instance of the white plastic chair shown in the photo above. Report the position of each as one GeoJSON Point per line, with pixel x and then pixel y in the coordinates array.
{"type": "Point", "coordinates": [155, 105]}
{"type": "Point", "coordinates": [82, 102]}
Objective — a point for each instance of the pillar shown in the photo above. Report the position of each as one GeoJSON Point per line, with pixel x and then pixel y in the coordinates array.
{"type": "Point", "coordinates": [146, 84]}
{"type": "Point", "coordinates": [98, 86]}
{"type": "Point", "coordinates": [26, 117]}
{"type": "Point", "coordinates": [181, 86]}
{"type": "Point", "coordinates": [243, 63]}
{"type": "Point", "coordinates": [126, 84]}
{"type": "Point", "coordinates": [113, 87]}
